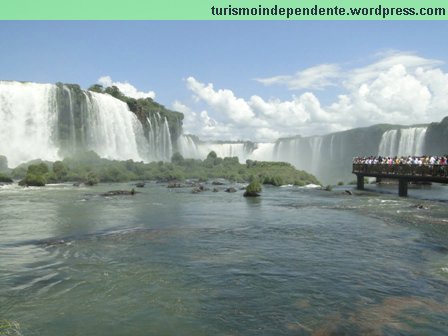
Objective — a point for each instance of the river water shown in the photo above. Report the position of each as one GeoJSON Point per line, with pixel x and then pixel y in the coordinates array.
{"type": "Point", "coordinates": [167, 262]}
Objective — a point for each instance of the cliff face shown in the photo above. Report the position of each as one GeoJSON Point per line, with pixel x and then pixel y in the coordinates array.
{"type": "Point", "coordinates": [437, 138]}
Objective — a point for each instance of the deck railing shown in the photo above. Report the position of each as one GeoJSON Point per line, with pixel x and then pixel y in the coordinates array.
{"type": "Point", "coordinates": [401, 169]}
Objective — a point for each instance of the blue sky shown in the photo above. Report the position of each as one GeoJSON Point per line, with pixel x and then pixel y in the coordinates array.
{"type": "Point", "coordinates": [247, 80]}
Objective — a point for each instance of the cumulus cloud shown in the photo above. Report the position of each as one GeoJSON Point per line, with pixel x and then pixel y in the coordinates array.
{"type": "Point", "coordinates": [125, 87]}
{"type": "Point", "coordinates": [400, 88]}
{"type": "Point", "coordinates": [223, 101]}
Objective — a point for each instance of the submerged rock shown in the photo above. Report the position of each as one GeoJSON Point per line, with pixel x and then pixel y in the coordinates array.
{"type": "Point", "coordinates": [199, 188]}
{"type": "Point", "coordinates": [119, 192]}
{"type": "Point", "coordinates": [140, 184]}
{"type": "Point", "coordinates": [175, 184]}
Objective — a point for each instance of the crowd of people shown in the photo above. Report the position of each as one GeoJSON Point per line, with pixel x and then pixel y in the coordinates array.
{"type": "Point", "coordinates": [403, 160]}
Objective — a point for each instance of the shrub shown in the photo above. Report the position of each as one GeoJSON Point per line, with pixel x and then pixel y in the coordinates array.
{"type": "Point", "coordinates": [253, 189]}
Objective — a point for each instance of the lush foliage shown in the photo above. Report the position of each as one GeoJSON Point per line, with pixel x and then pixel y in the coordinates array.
{"type": "Point", "coordinates": [5, 179]}
{"type": "Point", "coordinates": [36, 175]}
{"type": "Point", "coordinates": [253, 189]}
{"type": "Point", "coordinates": [89, 167]}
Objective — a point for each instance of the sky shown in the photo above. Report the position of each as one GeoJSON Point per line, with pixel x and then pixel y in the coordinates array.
{"type": "Point", "coordinates": [247, 80]}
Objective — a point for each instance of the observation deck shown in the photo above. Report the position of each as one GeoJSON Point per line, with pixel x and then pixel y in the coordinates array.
{"type": "Point", "coordinates": [405, 173]}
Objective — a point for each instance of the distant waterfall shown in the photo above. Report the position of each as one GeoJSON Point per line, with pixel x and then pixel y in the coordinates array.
{"type": "Point", "coordinates": [263, 152]}
{"type": "Point", "coordinates": [199, 150]}
{"type": "Point", "coordinates": [316, 145]}
{"type": "Point", "coordinates": [412, 141]}
{"type": "Point", "coordinates": [403, 142]}
{"type": "Point", "coordinates": [159, 139]}
{"type": "Point", "coordinates": [388, 144]}
{"type": "Point", "coordinates": [187, 147]}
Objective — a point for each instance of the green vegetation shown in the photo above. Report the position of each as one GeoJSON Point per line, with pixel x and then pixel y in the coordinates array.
{"type": "Point", "coordinates": [4, 178]}
{"type": "Point", "coordinates": [253, 189]}
{"type": "Point", "coordinates": [89, 168]}
{"type": "Point", "coordinates": [9, 328]}
{"type": "Point", "coordinates": [36, 175]}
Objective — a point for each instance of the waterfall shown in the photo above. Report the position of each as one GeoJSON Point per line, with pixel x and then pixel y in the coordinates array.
{"type": "Point", "coordinates": [28, 122]}
{"type": "Point", "coordinates": [72, 130]}
{"type": "Point", "coordinates": [388, 144]}
{"type": "Point", "coordinates": [159, 145]}
{"type": "Point", "coordinates": [411, 141]}
{"type": "Point", "coordinates": [263, 152]}
{"type": "Point", "coordinates": [403, 142]}
{"type": "Point", "coordinates": [187, 147]}
{"type": "Point", "coordinates": [332, 147]}
{"type": "Point", "coordinates": [113, 131]}
{"type": "Point", "coordinates": [226, 150]}
{"type": "Point", "coordinates": [45, 121]}
{"type": "Point", "coordinates": [316, 145]}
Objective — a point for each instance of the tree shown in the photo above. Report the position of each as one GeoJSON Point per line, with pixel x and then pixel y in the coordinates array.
{"type": "Point", "coordinates": [212, 155]}
{"type": "Point", "coordinates": [60, 171]}
{"type": "Point", "coordinates": [177, 158]}
{"type": "Point", "coordinates": [36, 175]}
{"type": "Point", "coordinates": [96, 88]}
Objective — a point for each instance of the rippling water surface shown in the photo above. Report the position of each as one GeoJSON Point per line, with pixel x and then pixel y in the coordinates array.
{"type": "Point", "coordinates": [168, 262]}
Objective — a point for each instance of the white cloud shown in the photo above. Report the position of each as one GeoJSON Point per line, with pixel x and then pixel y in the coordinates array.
{"type": "Point", "coordinates": [126, 88]}
{"type": "Point", "coordinates": [367, 73]}
{"type": "Point", "coordinates": [317, 77]}
{"type": "Point", "coordinates": [399, 88]}
{"type": "Point", "coordinates": [223, 101]}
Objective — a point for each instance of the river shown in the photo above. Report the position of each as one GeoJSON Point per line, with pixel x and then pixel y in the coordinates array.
{"type": "Point", "coordinates": [294, 261]}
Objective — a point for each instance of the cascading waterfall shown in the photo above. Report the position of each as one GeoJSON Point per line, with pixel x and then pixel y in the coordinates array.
{"type": "Point", "coordinates": [332, 147]}
{"type": "Point", "coordinates": [159, 144]}
{"type": "Point", "coordinates": [72, 134]}
{"type": "Point", "coordinates": [114, 131]}
{"type": "Point", "coordinates": [411, 141]}
{"type": "Point", "coordinates": [263, 152]}
{"type": "Point", "coordinates": [187, 147]}
{"type": "Point", "coordinates": [226, 150]}
{"type": "Point", "coordinates": [48, 122]}
{"type": "Point", "coordinates": [316, 145]}
{"type": "Point", "coordinates": [388, 144]}
{"type": "Point", "coordinates": [403, 142]}
{"type": "Point", "coordinates": [28, 122]}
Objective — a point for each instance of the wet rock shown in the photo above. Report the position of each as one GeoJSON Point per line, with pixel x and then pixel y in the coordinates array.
{"type": "Point", "coordinates": [120, 193]}
{"type": "Point", "coordinates": [140, 184]}
{"type": "Point", "coordinates": [175, 184]}
{"type": "Point", "coordinates": [421, 207]}
{"type": "Point", "coordinates": [230, 190]}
